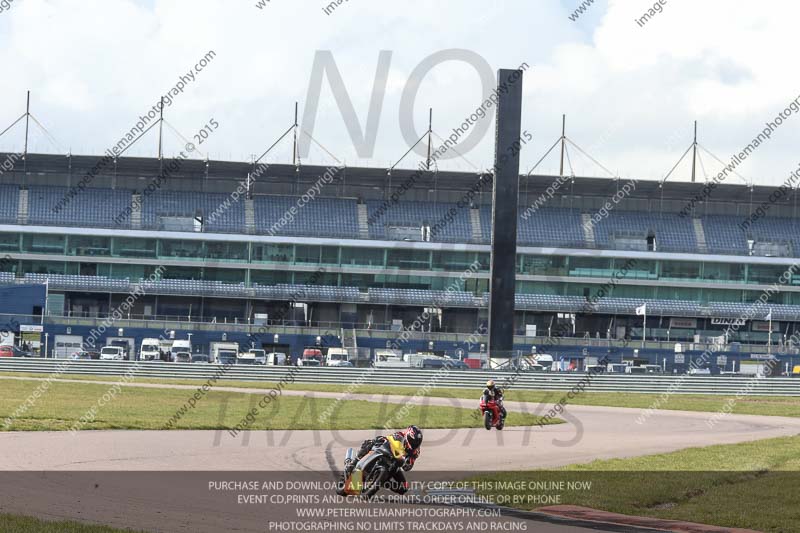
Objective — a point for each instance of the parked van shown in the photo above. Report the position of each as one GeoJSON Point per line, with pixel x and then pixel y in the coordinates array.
{"type": "Point", "coordinates": [276, 358]}
{"type": "Point", "coordinates": [179, 346]}
{"type": "Point", "coordinates": [150, 350]}
{"type": "Point", "coordinates": [112, 353]}
{"type": "Point", "coordinates": [225, 352]}
{"type": "Point", "coordinates": [337, 357]}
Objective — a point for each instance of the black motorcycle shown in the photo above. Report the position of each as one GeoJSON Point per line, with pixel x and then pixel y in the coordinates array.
{"type": "Point", "coordinates": [375, 468]}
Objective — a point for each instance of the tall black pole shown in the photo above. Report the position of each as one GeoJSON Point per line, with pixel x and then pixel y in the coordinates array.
{"type": "Point", "coordinates": [504, 213]}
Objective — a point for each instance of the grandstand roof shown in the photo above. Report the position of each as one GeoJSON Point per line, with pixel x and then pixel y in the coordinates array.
{"type": "Point", "coordinates": [50, 169]}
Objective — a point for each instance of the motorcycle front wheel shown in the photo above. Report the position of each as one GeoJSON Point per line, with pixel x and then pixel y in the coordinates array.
{"type": "Point", "coordinates": [374, 481]}
{"type": "Point", "coordinates": [487, 420]}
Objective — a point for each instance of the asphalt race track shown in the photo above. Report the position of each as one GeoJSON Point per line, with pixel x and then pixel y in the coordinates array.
{"type": "Point", "coordinates": [162, 477]}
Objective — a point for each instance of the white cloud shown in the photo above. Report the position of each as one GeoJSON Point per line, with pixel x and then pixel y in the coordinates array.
{"type": "Point", "coordinates": [93, 67]}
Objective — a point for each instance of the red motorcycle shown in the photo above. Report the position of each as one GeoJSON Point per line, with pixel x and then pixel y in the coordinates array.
{"type": "Point", "coordinates": [491, 414]}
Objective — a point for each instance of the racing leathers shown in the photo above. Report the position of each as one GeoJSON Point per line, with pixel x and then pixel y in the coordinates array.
{"type": "Point", "coordinates": [496, 394]}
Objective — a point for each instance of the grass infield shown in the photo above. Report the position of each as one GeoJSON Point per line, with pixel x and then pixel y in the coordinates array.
{"type": "Point", "coordinates": [23, 524]}
{"type": "Point", "coordinates": [752, 485]}
{"type": "Point", "coordinates": [748, 405]}
{"type": "Point", "coordinates": [64, 404]}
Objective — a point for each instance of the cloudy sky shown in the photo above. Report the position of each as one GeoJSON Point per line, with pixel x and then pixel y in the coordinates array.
{"type": "Point", "coordinates": [630, 92]}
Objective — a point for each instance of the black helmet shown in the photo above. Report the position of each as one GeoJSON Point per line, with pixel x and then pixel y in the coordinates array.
{"type": "Point", "coordinates": [412, 438]}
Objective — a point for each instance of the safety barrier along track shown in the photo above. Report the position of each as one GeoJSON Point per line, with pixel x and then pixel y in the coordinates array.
{"type": "Point", "coordinates": [474, 379]}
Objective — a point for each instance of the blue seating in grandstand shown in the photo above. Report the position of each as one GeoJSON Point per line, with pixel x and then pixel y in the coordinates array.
{"type": "Point", "coordinates": [90, 207]}
{"type": "Point", "coordinates": [723, 234]}
{"type": "Point", "coordinates": [548, 226]}
{"type": "Point", "coordinates": [321, 217]}
{"type": "Point", "coordinates": [9, 203]}
{"type": "Point", "coordinates": [421, 297]}
{"type": "Point", "coordinates": [777, 230]}
{"type": "Point", "coordinates": [339, 218]}
{"type": "Point", "coordinates": [446, 225]}
{"type": "Point", "coordinates": [321, 293]}
{"type": "Point", "coordinates": [220, 211]}
{"type": "Point", "coordinates": [672, 233]}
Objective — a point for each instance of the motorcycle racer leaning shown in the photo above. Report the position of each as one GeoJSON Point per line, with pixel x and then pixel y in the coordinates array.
{"type": "Point", "coordinates": [406, 443]}
{"type": "Point", "coordinates": [493, 392]}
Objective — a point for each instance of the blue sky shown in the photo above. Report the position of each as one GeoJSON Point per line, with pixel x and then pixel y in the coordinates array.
{"type": "Point", "coordinates": [630, 93]}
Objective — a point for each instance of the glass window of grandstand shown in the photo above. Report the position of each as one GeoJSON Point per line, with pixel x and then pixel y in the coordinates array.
{"type": "Point", "coordinates": [440, 284]}
{"type": "Point", "coordinates": [182, 249]}
{"type": "Point", "coordinates": [307, 254]}
{"type": "Point", "coordinates": [88, 245]}
{"type": "Point", "coordinates": [476, 286]}
{"type": "Point", "coordinates": [590, 266]}
{"type": "Point", "coordinates": [9, 242]}
{"type": "Point", "coordinates": [765, 273]}
{"type": "Point", "coordinates": [270, 277]}
{"type": "Point", "coordinates": [43, 267]}
{"type": "Point", "coordinates": [633, 291]}
{"type": "Point", "coordinates": [42, 243]}
{"type": "Point", "coordinates": [316, 278]}
{"type": "Point", "coordinates": [176, 272]}
{"type": "Point", "coordinates": [225, 275]}
{"type": "Point", "coordinates": [226, 251]}
{"type": "Point", "coordinates": [677, 293]}
{"type": "Point", "coordinates": [636, 268]}
{"type": "Point", "coordinates": [130, 272]}
{"type": "Point", "coordinates": [126, 247]}
{"type": "Point", "coordinates": [408, 259]}
{"type": "Point", "coordinates": [453, 261]}
{"type": "Point", "coordinates": [721, 295]}
{"type": "Point", "coordinates": [540, 265]}
{"type": "Point", "coordinates": [362, 281]}
{"type": "Point", "coordinates": [723, 272]}
{"type": "Point", "coordinates": [87, 269]}
{"type": "Point", "coordinates": [330, 255]}
{"type": "Point", "coordinates": [8, 265]}
{"type": "Point", "coordinates": [363, 257]}
{"type": "Point", "coordinates": [273, 253]}
{"type": "Point", "coordinates": [680, 270]}
{"type": "Point", "coordinates": [408, 282]}
{"type": "Point", "coordinates": [539, 287]}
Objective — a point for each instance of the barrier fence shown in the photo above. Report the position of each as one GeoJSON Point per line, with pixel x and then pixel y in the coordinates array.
{"type": "Point", "coordinates": [412, 377]}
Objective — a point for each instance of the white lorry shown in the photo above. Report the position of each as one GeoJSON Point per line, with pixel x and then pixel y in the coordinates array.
{"type": "Point", "coordinates": [150, 350]}
{"type": "Point", "coordinates": [337, 357]}
{"type": "Point", "coordinates": [226, 353]}
{"type": "Point", "coordinates": [179, 350]}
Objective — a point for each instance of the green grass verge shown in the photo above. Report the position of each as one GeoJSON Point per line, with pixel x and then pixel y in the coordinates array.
{"type": "Point", "coordinates": [62, 405]}
{"type": "Point", "coordinates": [23, 524]}
{"type": "Point", "coordinates": [749, 405]}
{"type": "Point", "coordinates": [750, 485]}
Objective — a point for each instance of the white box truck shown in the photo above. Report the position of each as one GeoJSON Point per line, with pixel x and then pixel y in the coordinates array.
{"type": "Point", "coordinates": [179, 350]}
{"type": "Point", "coordinates": [225, 352]}
{"type": "Point", "coordinates": [65, 345]}
{"type": "Point", "coordinates": [150, 350]}
{"type": "Point", "coordinates": [337, 357]}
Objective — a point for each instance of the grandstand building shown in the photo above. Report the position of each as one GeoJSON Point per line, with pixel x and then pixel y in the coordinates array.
{"type": "Point", "coordinates": [364, 254]}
